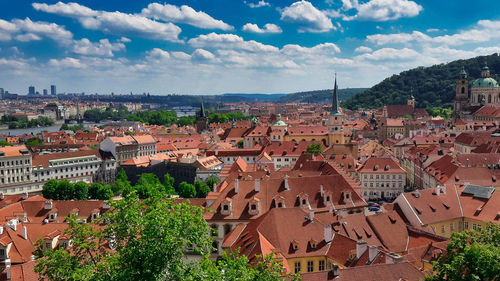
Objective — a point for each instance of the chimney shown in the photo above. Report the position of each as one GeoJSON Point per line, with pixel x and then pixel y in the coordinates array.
{"type": "Point", "coordinates": [311, 215]}
{"type": "Point", "coordinates": [7, 270]}
{"type": "Point", "coordinates": [1, 229]}
{"type": "Point", "coordinates": [25, 195]}
{"type": "Point", "coordinates": [214, 188]}
{"type": "Point", "coordinates": [105, 205]}
{"type": "Point", "coordinates": [438, 190]}
{"type": "Point", "coordinates": [321, 190]}
{"type": "Point", "coordinates": [25, 233]}
{"type": "Point", "coordinates": [1, 196]}
{"type": "Point", "coordinates": [287, 186]}
{"type": "Point", "coordinates": [335, 270]}
{"type": "Point", "coordinates": [48, 205]}
{"type": "Point", "coordinates": [360, 248]}
{"type": "Point", "coordinates": [236, 186]}
{"type": "Point", "coordinates": [443, 188]}
{"type": "Point", "coordinates": [372, 252]}
{"type": "Point", "coordinates": [327, 233]}
{"type": "Point", "coordinates": [393, 258]}
{"type": "Point", "coordinates": [257, 185]}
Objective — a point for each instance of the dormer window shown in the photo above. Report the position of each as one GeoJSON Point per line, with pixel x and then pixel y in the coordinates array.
{"type": "Point", "coordinates": [254, 206]}
{"type": "Point", "coordinates": [226, 207]}
{"type": "Point", "coordinates": [279, 201]}
{"type": "Point", "coordinates": [303, 199]}
{"type": "Point", "coordinates": [52, 216]}
{"type": "Point", "coordinates": [295, 245]}
{"type": "Point", "coordinates": [313, 243]}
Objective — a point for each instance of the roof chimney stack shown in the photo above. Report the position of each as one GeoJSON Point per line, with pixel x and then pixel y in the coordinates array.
{"type": "Point", "coordinates": [25, 233]}
{"type": "Point", "coordinates": [236, 186]}
{"type": "Point", "coordinates": [287, 185]}
{"type": "Point", "coordinates": [311, 215]}
{"type": "Point", "coordinates": [335, 270]}
{"type": "Point", "coordinates": [438, 190]}
{"type": "Point", "coordinates": [361, 247]}
{"type": "Point", "coordinates": [372, 253]}
{"type": "Point", "coordinates": [48, 205]}
{"type": "Point", "coordinates": [257, 185]}
{"type": "Point", "coordinates": [327, 233]}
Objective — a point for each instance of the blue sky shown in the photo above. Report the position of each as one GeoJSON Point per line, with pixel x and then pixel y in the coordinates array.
{"type": "Point", "coordinates": [219, 46]}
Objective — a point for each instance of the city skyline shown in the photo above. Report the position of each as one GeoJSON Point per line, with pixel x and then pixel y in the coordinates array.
{"type": "Point", "coordinates": [199, 47]}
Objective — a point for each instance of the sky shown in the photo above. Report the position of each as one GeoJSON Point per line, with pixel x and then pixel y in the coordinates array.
{"type": "Point", "coordinates": [233, 46]}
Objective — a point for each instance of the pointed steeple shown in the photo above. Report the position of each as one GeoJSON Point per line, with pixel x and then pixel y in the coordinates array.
{"type": "Point", "coordinates": [335, 102]}
{"type": "Point", "coordinates": [202, 109]}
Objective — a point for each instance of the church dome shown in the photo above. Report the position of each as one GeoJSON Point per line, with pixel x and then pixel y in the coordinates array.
{"type": "Point", "coordinates": [484, 82]}
{"type": "Point", "coordinates": [279, 123]}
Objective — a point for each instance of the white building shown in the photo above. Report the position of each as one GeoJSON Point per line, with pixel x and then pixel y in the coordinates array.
{"type": "Point", "coordinates": [382, 178]}
{"type": "Point", "coordinates": [15, 165]}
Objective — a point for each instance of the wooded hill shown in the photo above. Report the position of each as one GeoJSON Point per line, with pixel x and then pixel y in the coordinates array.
{"type": "Point", "coordinates": [320, 95]}
{"type": "Point", "coordinates": [432, 86]}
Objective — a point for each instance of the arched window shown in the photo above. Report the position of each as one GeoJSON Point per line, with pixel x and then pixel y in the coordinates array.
{"type": "Point", "coordinates": [463, 90]}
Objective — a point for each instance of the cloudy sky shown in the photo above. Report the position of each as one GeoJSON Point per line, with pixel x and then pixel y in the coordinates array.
{"type": "Point", "coordinates": [219, 46]}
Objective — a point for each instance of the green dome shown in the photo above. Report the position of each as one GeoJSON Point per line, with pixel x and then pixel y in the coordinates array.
{"type": "Point", "coordinates": [484, 82]}
{"type": "Point", "coordinates": [279, 123]}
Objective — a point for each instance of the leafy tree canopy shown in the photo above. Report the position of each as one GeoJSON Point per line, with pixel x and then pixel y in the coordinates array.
{"type": "Point", "coordinates": [471, 255]}
{"type": "Point", "coordinates": [314, 148]}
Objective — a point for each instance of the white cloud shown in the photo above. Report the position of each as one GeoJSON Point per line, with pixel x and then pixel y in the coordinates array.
{"type": "Point", "coordinates": [433, 30]}
{"type": "Point", "coordinates": [125, 40]}
{"type": "Point", "coordinates": [384, 10]}
{"type": "Point", "coordinates": [229, 41]}
{"type": "Point", "coordinates": [383, 39]}
{"type": "Point", "coordinates": [101, 48]}
{"type": "Point", "coordinates": [184, 14]}
{"type": "Point", "coordinates": [323, 49]}
{"type": "Point", "coordinates": [483, 31]}
{"type": "Point", "coordinates": [11, 63]}
{"type": "Point", "coordinates": [202, 55]}
{"type": "Point", "coordinates": [68, 10]}
{"type": "Point", "coordinates": [259, 4]}
{"type": "Point", "coordinates": [50, 30]}
{"type": "Point", "coordinates": [66, 63]}
{"type": "Point", "coordinates": [26, 37]}
{"type": "Point", "coordinates": [363, 49]}
{"type": "Point", "coordinates": [158, 54]}
{"type": "Point", "coordinates": [117, 23]}
{"type": "Point", "coordinates": [180, 55]}
{"type": "Point", "coordinates": [268, 28]}
{"type": "Point", "coordinates": [307, 17]}
{"type": "Point", "coordinates": [390, 54]}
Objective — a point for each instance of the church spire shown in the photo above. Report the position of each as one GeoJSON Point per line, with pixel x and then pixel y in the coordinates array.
{"type": "Point", "coordinates": [335, 102]}
{"type": "Point", "coordinates": [202, 109]}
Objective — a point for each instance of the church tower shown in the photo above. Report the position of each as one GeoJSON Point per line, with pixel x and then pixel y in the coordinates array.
{"type": "Point", "coordinates": [201, 120]}
{"type": "Point", "coordinates": [461, 94]}
{"type": "Point", "coordinates": [335, 120]}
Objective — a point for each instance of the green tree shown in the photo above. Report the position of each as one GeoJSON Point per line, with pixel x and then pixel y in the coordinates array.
{"type": "Point", "coordinates": [149, 236]}
{"type": "Point", "coordinates": [211, 181]}
{"type": "Point", "coordinates": [81, 191]}
{"type": "Point", "coordinates": [93, 190]}
{"type": "Point", "coordinates": [239, 144]}
{"type": "Point", "coordinates": [104, 192]}
{"type": "Point", "coordinates": [314, 148]}
{"type": "Point", "coordinates": [185, 120]}
{"type": "Point", "coordinates": [34, 141]}
{"type": "Point", "coordinates": [186, 190]}
{"type": "Point", "coordinates": [202, 189]}
{"type": "Point", "coordinates": [65, 190]}
{"type": "Point", "coordinates": [49, 189]}
{"type": "Point", "coordinates": [121, 183]}
{"type": "Point", "coordinates": [470, 255]}
{"type": "Point", "coordinates": [4, 143]}
{"type": "Point", "coordinates": [168, 183]}
{"type": "Point", "coordinates": [147, 185]}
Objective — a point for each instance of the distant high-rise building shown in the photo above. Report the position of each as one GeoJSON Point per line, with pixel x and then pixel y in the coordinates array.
{"type": "Point", "coordinates": [1, 92]}
{"type": "Point", "coordinates": [45, 92]}
{"type": "Point", "coordinates": [31, 90]}
{"type": "Point", "coordinates": [53, 90]}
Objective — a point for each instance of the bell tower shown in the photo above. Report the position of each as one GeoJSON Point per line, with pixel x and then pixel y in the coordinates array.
{"type": "Point", "coordinates": [461, 94]}
{"type": "Point", "coordinates": [335, 120]}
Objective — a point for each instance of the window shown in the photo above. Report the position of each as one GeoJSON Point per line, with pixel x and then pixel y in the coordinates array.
{"type": "Point", "coordinates": [297, 267]}
{"type": "Point", "coordinates": [310, 266]}
{"type": "Point", "coordinates": [2, 252]}
{"type": "Point", "coordinates": [48, 246]}
{"type": "Point", "coordinates": [452, 226]}
{"type": "Point", "coordinates": [443, 228]}
{"type": "Point", "coordinates": [321, 265]}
